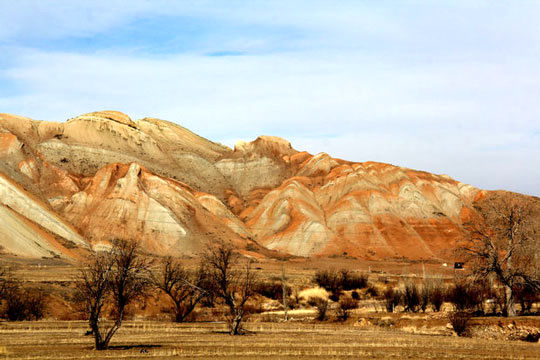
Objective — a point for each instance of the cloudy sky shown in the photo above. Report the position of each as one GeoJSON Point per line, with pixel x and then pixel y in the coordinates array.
{"type": "Point", "coordinates": [448, 87]}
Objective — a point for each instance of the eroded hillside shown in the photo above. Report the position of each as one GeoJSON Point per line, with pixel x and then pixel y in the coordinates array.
{"type": "Point", "coordinates": [102, 175]}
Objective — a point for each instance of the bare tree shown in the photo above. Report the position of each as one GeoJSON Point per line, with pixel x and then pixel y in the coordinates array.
{"type": "Point", "coordinates": [184, 288]}
{"type": "Point", "coordinates": [233, 283]}
{"type": "Point", "coordinates": [504, 243]}
{"type": "Point", "coordinates": [117, 276]}
{"type": "Point", "coordinates": [94, 291]}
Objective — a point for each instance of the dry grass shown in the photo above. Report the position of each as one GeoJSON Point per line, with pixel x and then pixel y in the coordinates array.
{"type": "Point", "coordinates": [376, 335]}
{"type": "Point", "coordinates": [312, 293]}
{"type": "Point", "coordinates": [65, 340]}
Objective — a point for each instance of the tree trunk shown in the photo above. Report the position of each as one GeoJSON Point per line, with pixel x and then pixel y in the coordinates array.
{"type": "Point", "coordinates": [94, 325]}
{"type": "Point", "coordinates": [510, 309]}
{"type": "Point", "coordinates": [182, 313]}
{"type": "Point", "coordinates": [237, 315]}
{"type": "Point", "coordinates": [179, 316]}
{"type": "Point", "coordinates": [117, 324]}
{"type": "Point", "coordinates": [101, 345]}
{"type": "Point", "coordinates": [235, 324]}
{"type": "Point", "coordinates": [284, 292]}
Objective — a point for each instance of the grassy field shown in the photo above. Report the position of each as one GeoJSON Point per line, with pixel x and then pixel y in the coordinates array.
{"type": "Point", "coordinates": [145, 339]}
{"type": "Point", "coordinates": [370, 333]}
{"type": "Point", "coordinates": [43, 270]}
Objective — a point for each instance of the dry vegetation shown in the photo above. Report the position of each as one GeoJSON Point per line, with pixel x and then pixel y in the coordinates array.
{"type": "Point", "coordinates": [357, 325]}
{"type": "Point", "coordinates": [54, 340]}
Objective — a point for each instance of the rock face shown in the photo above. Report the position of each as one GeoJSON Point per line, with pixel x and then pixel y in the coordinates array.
{"type": "Point", "coordinates": [101, 176]}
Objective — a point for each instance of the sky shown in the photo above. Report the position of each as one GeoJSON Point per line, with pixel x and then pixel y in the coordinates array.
{"type": "Point", "coordinates": [449, 87]}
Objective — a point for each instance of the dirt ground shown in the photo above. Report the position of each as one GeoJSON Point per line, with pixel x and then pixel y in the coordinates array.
{"type": "Point", "coordinates": [298, 269]}
{"type": "Point", "coordinates": [291, 340]}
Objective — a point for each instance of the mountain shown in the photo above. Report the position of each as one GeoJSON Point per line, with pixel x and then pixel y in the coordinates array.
{"type": "Point", "coordinates": [69, 187]}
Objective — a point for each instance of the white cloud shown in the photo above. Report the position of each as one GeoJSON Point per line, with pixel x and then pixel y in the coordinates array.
{"type": "Point", "coordinates": [362, 83]}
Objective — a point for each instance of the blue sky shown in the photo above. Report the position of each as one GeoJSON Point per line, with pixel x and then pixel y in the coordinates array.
{"type": "Point", "coordinates": [444, 86]}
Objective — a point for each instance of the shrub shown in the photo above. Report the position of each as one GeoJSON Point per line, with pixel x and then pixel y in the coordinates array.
{"type": "Point", "coordinates": [345, 305]}
{"type": "Point", "coordinates": [15, 307]}
{"type": "Point", "coordinates": [460, 321]}
{"type": "Point", "coordinates": [392, 298]}
{"type": "Point", "coordinates": [20, 303]}
{"type": "Point", "coordinates": [6, 282]}
{"type": "Point", "coordinates": [321, 305]}
{"type": "Point", "coordinates": [532, 337]}
{"type": "Point", "coordinates": [337, 281]}
{"type": "Point", "coordinates": [411, 297]}
{"type": "Point", "coordinates": [437, 295]}
{"type": "Point", "coordinates": [353, 281]}
{"type": "Point", "coordinates": [432, 293]}
{"type": "Point", "coordinates": [466, 296]}
{"type": "Point", "coordinates": [330, 280]}
{"type": "Point", "coordinates": [458, 296]}
{"type": "Point", "coordinates": [271, 290]}
{"type": "Point", "coordinates": [35, 304]}
{"type": "Point", "coordinates": [425, 295]}
{"type": "Point", "coordinates": [372, 291]}
{"type": "Point", "coordinates": [24, 305]}
{"type": "Point", "coordinates": [311, 293]}
{"type": "Point", "coordinates": [294, 300]}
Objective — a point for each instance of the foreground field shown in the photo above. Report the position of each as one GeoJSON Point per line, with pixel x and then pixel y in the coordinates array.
{"type": "Point", "coordinates": [370, 332]}
{"type": "Point", "coordinates": [66, 340]}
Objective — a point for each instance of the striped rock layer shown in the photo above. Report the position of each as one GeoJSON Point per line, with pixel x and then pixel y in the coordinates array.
{"type": "Point", "coordinates": [70, 187]}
